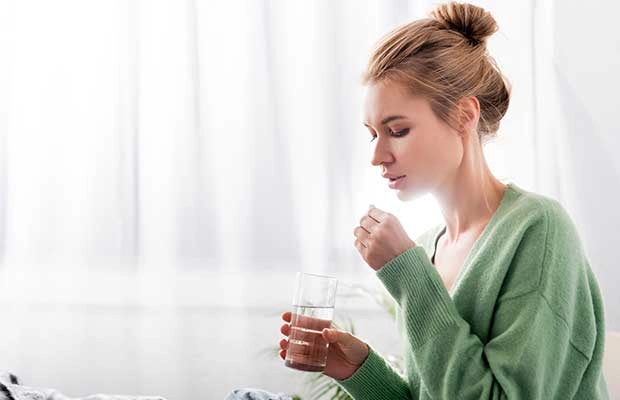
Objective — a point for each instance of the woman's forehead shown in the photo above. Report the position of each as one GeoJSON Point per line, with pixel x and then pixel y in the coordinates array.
{"type": "Point", "coordinates": [385, 100]}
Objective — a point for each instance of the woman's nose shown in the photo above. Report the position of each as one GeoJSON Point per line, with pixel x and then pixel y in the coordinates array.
{"type": "Point", "coordinates": [381, 154]}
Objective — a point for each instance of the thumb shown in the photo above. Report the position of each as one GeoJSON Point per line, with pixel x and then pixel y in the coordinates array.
{"type": "Point", "coordinates": [335, 336]}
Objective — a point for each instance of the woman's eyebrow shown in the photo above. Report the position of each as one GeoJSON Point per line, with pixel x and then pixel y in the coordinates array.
{"type": "Point", "coordinates": [391, 118]}
{"type": "Point", "coordinates": [387, 120]}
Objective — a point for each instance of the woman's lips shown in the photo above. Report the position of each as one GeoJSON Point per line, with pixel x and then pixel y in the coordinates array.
{"type": "Point", "coordinates": [396, 182]}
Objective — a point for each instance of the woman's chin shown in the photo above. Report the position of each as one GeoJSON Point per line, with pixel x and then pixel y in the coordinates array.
{"type": "Point", "coordinates": [408, 194]}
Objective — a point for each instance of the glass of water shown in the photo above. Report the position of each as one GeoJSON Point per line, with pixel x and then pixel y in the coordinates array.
{"type": "Point", "coordinates": [313, 310]}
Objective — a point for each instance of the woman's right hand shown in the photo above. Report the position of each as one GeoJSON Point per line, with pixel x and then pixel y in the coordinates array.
{"type": "Point", "coordinates": [345, 355]}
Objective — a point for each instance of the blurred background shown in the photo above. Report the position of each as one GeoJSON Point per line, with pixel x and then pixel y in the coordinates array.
{"type": "Point", "coordinates": [167, 166]}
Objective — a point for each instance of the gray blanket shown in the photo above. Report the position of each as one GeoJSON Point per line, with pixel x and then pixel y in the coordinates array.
{"type": "Point", "coordinates": [12, 389]}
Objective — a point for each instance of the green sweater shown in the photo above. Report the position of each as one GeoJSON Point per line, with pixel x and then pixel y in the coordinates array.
{"type": "Point", "coordinates": [524, 319]}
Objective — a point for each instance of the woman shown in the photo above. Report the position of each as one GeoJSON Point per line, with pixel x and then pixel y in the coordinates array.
{"type": "Point", "coordinates": [497, 302]}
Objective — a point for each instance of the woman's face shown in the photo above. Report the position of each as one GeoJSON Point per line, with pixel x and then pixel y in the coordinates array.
{"type": "Point", "coordinates": [410, 142]}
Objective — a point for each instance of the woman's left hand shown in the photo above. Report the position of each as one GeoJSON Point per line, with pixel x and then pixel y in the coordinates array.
{"type": "Point", "coordinates": [380, 237]}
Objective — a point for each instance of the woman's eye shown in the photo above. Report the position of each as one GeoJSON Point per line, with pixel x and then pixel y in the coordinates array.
{"type": "Point", "coordinates": [400, 133]}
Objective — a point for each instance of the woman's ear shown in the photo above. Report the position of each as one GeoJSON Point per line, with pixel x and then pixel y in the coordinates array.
{"type": "Point", "coordinates": [469, 114]}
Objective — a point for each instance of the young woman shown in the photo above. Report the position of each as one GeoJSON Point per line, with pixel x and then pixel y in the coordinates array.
{"type": "Point", "coordinates": [497, 302]}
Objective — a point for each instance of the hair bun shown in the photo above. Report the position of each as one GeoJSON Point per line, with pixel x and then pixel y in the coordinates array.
{"type": "Point", "coordinates": [473, 22]}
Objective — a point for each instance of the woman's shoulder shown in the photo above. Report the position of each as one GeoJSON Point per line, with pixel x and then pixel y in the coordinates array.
{"type": "Point", "coordinates": [525, 202]}
{"type": "Point", "coordinates": [551, 261]}
{"type": "Point", "coordinates": [522, 215]}
{"type": "Point", "coordinates": [533, 211]}
{"type": "Point", "coordinates": [548, 252]}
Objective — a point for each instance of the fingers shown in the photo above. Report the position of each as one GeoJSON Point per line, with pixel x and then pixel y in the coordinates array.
{"type": "Point", "coordinates": [336, 336]}
{"type": "Point", "coordinates": [310, 323]}
{"type": "Point", "coordinates": [361, 234]}
{"type": "Point", "coordinates": [327, 335]}
{"type": "Point", "coordinates": [283, 348]}
{"type": "Point", "coordinates": [363, 231]}
{"type": "Point", "coordinates": [301, 335]}
{"type": "Point", "coordinates": [304, 346]}
{"type": "Point", "coordinates": [304, 335]}
{"type": "Point", "coordinates": [377, 214]}
{"type": "Point", "coordinates": [368, 224]}
{"type": "Point", "coordinates": [286, 316]}
{"type": "Point", "coordinates": [359, 246]}
{"type": "Point", "coordinates": [285, 329]}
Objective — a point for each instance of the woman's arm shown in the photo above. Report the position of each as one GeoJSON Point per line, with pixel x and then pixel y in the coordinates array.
{"type": "Point", "coordinates": [543, 338]}
{"type": "Point", "coordinates": [531, 353]}
{"type": "Point", "coordinates": [377, 380]}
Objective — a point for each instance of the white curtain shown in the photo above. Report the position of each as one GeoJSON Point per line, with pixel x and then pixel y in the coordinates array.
{"type": "Point", "coordinates": [172, 149]}
{"type": "Point", "coordinates": [577, 135]}
{"type": "Point", "coordinates": [194, 153]}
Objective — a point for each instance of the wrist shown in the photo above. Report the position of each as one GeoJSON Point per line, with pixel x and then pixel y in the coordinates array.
{"type": "Point", "coordinates": [412, 245]}
{"type": "Point", "coordinates": [355, 366]}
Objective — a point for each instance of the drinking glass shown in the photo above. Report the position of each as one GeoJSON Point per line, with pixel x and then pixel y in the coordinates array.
{"type": "Point", "coordinates": [313, 310]}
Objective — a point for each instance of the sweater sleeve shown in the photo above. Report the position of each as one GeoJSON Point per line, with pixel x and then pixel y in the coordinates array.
{"type": "Point", "coordinates": [377, 380]}
{"type": "Point", "coordinates": [529, 356]}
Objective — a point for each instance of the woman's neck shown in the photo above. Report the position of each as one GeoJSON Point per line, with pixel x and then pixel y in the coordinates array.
{"type": "Point", "coordinates": [469, 199]}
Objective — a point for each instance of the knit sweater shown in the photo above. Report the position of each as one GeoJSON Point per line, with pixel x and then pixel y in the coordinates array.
{"type": "Point", "coordinates": [523, 320]}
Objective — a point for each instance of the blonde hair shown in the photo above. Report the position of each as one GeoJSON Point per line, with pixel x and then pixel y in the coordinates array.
{"type": "Point", "coordinates": [444, 58]}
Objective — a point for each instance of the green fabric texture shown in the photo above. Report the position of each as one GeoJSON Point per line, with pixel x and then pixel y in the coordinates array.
{"type": "Point", "coordinates": [524, 319]}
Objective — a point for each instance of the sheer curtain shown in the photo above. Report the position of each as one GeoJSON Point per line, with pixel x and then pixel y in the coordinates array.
{"type": "Point", "coordinates": [196, 153]}
{"type": "Point", "coordinates": [578, 135]}
{"type": "Point", "coordinates": [160, 145]}
{"type": "Point", "coordinates": [172, 149]}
